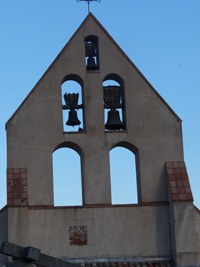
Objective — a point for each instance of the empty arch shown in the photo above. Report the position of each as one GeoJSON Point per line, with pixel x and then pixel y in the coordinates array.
{"type": "Point", "coordinates": [67, 175]}
{"type": "Point", "coordinates": [124, 173]}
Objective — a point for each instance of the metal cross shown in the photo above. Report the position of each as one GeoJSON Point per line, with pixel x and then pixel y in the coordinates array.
{"type": "Point", "coordinates": [88, 1]}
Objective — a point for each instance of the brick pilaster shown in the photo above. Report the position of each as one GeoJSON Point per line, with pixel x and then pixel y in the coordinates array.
{"type": "Point", "coordinates": [178, 181]}
{"type": "Point", "coordinates": [17, 187]}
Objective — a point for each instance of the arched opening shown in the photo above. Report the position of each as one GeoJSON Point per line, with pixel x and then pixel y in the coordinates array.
{"type": "Point", "coordinates": [67, 177]}
{"type": "Point", "coordinates": [114, 103]}
{"type": "Point", "coordinates": [92, 52]}
{"type": "Point", "coordinates": [72, 103]}
{"type": "Point", "coordinates": [123, 176]}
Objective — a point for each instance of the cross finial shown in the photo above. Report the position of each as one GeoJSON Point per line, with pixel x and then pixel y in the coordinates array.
{"type": "Point", "coordinates": [88, 2]}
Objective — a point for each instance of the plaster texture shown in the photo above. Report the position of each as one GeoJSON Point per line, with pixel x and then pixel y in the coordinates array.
{"type": "Point", "coordinates": [153, 130]}
{"type": "Point", "coordinates": [3, 232]}
{"type": "Point", "coordinates": [185, 237]}
{"type": "Point", "coordinates": [153, 133]}
{"type": "Point", "coordinates": [197, 232]}
{"type": "Point", "coordinates": [184, 227]}
{"type": "Point", "coordinates": [111, 232]}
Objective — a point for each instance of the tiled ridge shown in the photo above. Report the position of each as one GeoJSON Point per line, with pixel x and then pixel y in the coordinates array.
{"type": "Point", "coordinates": [17, 187]}
{"type": "Point", "coordinates": [178, 181]}
{"type": "Point", "coordinates": [127, 264]}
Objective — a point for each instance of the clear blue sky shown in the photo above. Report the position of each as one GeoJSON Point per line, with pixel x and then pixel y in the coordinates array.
{"type": "Point", "coordinates": [162, 38]}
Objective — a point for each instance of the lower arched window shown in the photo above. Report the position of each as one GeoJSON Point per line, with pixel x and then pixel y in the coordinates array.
{"type": "Point", "coordinates": [123, 176]}
{"type": "Point", "coordinates": [67, 177]}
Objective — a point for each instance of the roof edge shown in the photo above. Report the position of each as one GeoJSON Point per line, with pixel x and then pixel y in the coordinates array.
{"type": "Point", "coordinates": [196, 209]}
{"type": "Point", "coordinates": [138, 71]}
{"type": "Point", "coordinates": [48, 69]}
{"type": "Point", "coordinates": [118, 47]}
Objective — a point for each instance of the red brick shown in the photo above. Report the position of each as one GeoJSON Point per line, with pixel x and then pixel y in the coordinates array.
{"type": "Point", "coordinates": [10, 195]}
{"type": "Point", "coordinates": [174, 190]}
{"type": "Point", "coordinates": [178, 177]}
{"type": "Point", "coordinates": [17, 175]}
{"type": "Point", "coordinates": [177, 171]}
{"type": "Point", "coordinates": [17, 202]}
{"type": "Point", "coordinates": [189, 196]}
{"type": "Point", "coordinates": [10, 176]}
{"type": "Point", "coordinates": [181, 190]}
{"type": "Point", "coordinates": [17, 194]}
{"type": "Point", "coordinates": [188, 189]}
{"type": "Point", "coordinates": [183, 171]}
{"type": "Point", "coordinates": [10, 170]}
{"type": "Point", "coordinates": [175, 165]}
{"type": "Point", "coordinates": [172, 184]}
{"type": "Point", "coordinates": [175, 197]}
{"type": "Point", "coordinates": [169, 165]}
{"type": "Point", "coordinates": [170, 171]}
{"type": "Point", "coordinates": [9, 189]}
{"type": "Point", "coordinates": [179, 183]}
{"type": "Point", "coordinates": [171, 177]}
{"type": "Point", "coordinates": [182, 164]}
{"type": "Point", "coordinates": [24, 188]}
{"type": "Point", "coordinates": [184, 177]}
{"type": "Point", "coordinates": [182, 196]}
{"type": "Point", "coordinates": [17, 187]}
{"type": "Point", "coordinates": [23, 182]}
{"type": "Point", "coordinates": [17, 191]}
{"type": "Point", "coordinates": [24, 195]}
{"type": "Point", "coordinates": [10, 182]}
{"type": "Point", "coordinates": [16, 182]}
{"type": "Point", "coordinates": [23, 176]}
{"type": "Point", "coordinates": [24, 202]}
{"type": "Point", "coordinates": [10, 202]}
{"type": "Point", "coordinates": [16, 170]}
{"type": "Point", "coordinates": [186, 183]}
{"type": "Point", "coordinates": [24, 170]}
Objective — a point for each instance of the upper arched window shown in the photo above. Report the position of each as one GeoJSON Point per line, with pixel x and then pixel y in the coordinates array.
{"type": "Point", "coordinates": [72, 102]}
{"type": "Point", "coordinates": [92, 52]}
{"type": "Point", "coordinates": [114, 103]}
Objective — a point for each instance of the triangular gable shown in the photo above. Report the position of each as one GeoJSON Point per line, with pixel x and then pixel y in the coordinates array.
{"type": "Point", "coordinates": [90, 15]}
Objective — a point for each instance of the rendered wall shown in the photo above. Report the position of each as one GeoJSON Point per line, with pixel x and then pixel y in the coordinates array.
{"type": "Point", "coordinates": [197, 232]}
{"type": "Point", "coordinates": [111, 232]}
{"type": "Point", "coordinates": [153, 132]}
{"type": "Point", "coordinates": [36, 129]}
{"type": "Point", "coordinates": [3, 231]}
{"type": "Point", "coordinates": [186, 249]}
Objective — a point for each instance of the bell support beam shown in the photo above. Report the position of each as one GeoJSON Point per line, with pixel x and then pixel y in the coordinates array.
{"type": "Point", "coordinates": [76, 107]}
{"type": "Point", "coordinates": [107, 106]}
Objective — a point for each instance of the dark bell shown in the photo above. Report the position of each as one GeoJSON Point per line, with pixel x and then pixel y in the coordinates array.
{"type": "Point", "coordinates": [73, 118]}
{"type": "Point", "coordinates": [114, 122]}
{"type": "Point", "coordinates": [91, 64]}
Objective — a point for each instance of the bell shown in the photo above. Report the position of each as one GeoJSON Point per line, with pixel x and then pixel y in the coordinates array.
{"type": "Point", "coordinates": [90, 49]}
{"type": "Point", "coordinates": [114, 122]}
{"type": "Point", "coordinates": [73, 118]}
{"type": "Point", "coordinates": [71, 100]}
{"type": "Point", "coordinates": [91, 64]}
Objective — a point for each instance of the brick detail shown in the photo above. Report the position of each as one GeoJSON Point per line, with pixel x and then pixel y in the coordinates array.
{"type": "Point", "coordinates": [178, 181]}
{"type": "Point", "coordinates": [78, 235]}
{"type": "Point", "coordinates": [17, 187]}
